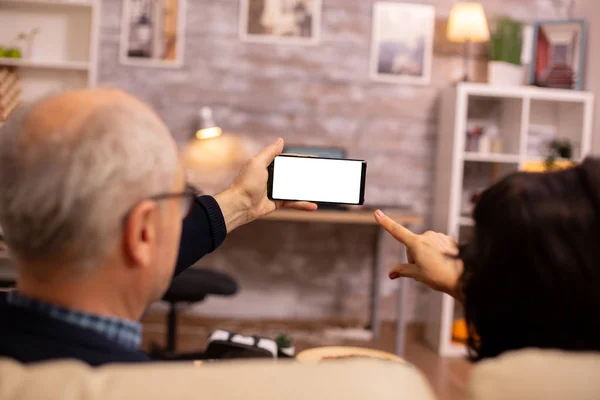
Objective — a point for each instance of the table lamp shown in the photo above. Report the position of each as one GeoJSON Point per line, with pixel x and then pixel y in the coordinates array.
{"type": "Point", "coordinates": [211, 157]}
{"type": "Point", "coordinates": [467, 24]}
{"type": "Point", "coordinates": [207, 128]}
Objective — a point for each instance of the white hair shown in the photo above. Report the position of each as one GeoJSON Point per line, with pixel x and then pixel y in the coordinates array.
{"type": "Point", "coordinates": [64, 198]}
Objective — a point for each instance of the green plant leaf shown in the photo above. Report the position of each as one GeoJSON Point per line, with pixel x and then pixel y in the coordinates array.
{"type": "Point", "coordinates": [507, 42]}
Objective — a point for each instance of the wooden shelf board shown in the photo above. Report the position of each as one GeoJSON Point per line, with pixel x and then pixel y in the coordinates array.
{"type": "Point", "coordinates": [491, 157]}
{"type": "Point", "coordinates": [60, 3]}
{"type": "Point", "coordinates": [42, 64]}
{"type": "Point", "coordinates": [532, 92]}
{"type": "Point", "coordinates": [356, 217]}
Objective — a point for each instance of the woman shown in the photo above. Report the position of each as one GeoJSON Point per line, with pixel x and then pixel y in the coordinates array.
{"type": "Point", "coordinates": [530, 277]}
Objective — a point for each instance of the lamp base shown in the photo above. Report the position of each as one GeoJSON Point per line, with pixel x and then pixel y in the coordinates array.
{"type": "Point", "coordinates": [466, 61]}
{"type": "Point", "coordinates": [464, 79]}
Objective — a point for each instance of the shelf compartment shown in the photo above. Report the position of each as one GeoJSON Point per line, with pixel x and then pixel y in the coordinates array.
{"type": "Point", "coordinates": [481, 175]}
{"type": "Point", "coordinates": [477, 177]}
{"type": "Point", "coordinates": [499, 118]}
{"type": "Point", "coordinates": [64, 32]}
{"type": "Point", "coordinates": [549, 120]}
{"type": "Point", "coordinates": [38, 83]}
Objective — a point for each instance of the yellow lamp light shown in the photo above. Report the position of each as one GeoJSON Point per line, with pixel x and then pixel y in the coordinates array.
{"type": "Point", "coordinates": [209, 133]}
{"type": "Point", "coordinates": [207, 129]}
{"type": "Point", "coordinates": [467, 24]}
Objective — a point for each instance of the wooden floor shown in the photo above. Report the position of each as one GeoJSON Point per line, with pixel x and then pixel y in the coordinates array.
{"type": "Point", "coordinates": [448, 376]}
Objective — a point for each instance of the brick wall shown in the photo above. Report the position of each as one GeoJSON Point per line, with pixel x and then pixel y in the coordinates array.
{"type": "Point", "coordinates": [309, 95]}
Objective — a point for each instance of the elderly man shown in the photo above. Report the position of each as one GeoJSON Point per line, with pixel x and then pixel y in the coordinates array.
{"type": "Point", "coordinates": [92, 199]}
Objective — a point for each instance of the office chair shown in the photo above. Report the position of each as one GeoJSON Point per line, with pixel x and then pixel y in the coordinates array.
{"type": "Point", "coordinates": [192, 286]}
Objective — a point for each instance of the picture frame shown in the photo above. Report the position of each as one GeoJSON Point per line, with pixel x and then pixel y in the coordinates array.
{"type": "Point", "coordinates": [153, 33]}
{"type": "Point", "coordinates": [558, 54]}
{"type": "Point", "coordinates": [402, 43]}
{"type": "Point", "coordinates": [292, 22]}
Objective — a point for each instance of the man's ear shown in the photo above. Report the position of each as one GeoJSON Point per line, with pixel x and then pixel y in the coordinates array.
{"type": "Point", "coordinates": [140, 235]}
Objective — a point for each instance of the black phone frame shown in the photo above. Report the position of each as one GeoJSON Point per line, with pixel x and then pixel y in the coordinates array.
{"type": "Point", "coordinates": [363, 180]}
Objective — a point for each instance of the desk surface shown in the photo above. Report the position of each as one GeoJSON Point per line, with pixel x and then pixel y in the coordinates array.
{"type": "Point", "coordinates": [358, 217]}
{"type": "Point", "coordinates": [355, 217]}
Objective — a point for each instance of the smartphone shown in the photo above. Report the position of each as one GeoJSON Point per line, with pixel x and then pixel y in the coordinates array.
{"type": "Point", "coordinates": [318, 180]}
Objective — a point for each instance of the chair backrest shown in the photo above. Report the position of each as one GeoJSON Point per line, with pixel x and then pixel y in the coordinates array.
{"type": "Point", "coordinates": [536, 374]}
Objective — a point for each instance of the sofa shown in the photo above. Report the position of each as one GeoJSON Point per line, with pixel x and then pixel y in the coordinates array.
{"type": "Point", "coordinates": [264, 380]}
{"type": "Point", "coordinates": [525, 375]}
{"type": "Point", "coordinates": [536, 374]}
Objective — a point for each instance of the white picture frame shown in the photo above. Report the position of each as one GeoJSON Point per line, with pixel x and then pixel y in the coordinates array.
{"type": "Point", "coordinates": [402, 43]}
{"type": "Point", "coordinates": [292, 27]}
{"type": "Point", "coordinates": [152, 43]}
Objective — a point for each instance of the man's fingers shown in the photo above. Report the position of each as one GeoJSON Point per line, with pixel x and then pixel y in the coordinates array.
{"type": "Point", "coordinates": [395, 229]}
{"type": "Point", "coordinates": [300, 205]}
{"type": "Point", "coordinates": [299, 155]}
{"type": "Point", "coordinates": [404, 271]}
{"type": "Point", "coordinates": [268, 154]}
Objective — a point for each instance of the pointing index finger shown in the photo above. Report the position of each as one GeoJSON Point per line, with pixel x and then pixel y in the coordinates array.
{"type": "Point", "coordinates": [395, 229]}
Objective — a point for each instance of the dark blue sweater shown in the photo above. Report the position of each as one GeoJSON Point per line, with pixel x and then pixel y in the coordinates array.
{"type": "Point", "coordinates": [30, 336]}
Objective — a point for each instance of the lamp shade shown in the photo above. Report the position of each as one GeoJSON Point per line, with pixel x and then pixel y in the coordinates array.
{"type": "Point", "coordinates": [468, 23]}
{"type": "Point", "coordinates": [207, 128]}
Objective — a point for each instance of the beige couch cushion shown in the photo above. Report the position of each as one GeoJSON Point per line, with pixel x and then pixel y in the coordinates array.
{"type": "Point", "coordinates": [365, 380]}
{"type": "Point", "coordinates": [536, 374]}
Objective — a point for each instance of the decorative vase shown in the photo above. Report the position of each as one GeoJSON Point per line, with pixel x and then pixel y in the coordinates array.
{"type": "Point", "coordinates": [505, 74]}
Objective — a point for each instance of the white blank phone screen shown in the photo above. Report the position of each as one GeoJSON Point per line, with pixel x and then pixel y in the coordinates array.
{"type": "Point", "coordinates": [317, 179]}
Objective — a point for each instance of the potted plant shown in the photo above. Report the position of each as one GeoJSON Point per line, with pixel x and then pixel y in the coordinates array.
{"type": "Point", "coordinates": [506, 44]}
{"type": "Point", "coordinates": [285, 345]}
{"type": "Point", "coordinates": [560, 154]}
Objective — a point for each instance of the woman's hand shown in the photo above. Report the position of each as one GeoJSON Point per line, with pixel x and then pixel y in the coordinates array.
{"type": "Point", "coordinates": [431, 257]}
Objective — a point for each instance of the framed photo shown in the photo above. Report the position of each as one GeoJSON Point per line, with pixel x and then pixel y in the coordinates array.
{"type": "Point", "coordinates": [153, 33]}
{"type": "Point", "coordinates": [558, 54]}
{"type": "Point", "coordinates": [281, 21]}
{"type": "Point", "coordinates": [402, 43]}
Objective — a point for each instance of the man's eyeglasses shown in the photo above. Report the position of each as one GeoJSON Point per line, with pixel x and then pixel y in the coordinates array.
{"type": "Point", "coordinates": [187, 200]}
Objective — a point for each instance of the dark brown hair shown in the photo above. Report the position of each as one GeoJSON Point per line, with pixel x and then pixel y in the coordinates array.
{"type": "Point", "coordinates": [532, 269]}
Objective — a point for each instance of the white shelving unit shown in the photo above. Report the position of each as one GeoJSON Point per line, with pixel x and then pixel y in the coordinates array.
{"type": "Point", "coordinates": [65, 50]}
{"type": "Point", "coordinates": [514, 113]}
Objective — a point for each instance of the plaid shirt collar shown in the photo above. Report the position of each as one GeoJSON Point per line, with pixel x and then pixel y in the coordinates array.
{"type": "Point", "coordinates": [125, 333]}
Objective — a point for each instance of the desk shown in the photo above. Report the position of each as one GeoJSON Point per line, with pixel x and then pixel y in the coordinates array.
{"type": "Point", "coordinates": [361, 217]}
{"type": "Point", "coordinates": [341, 217]}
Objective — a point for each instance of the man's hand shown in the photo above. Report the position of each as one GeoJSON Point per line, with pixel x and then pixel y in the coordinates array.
{"type": "Point", "coordinates": [246, 199]}
{"type": "Point", "coordinates": [430, 257]}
